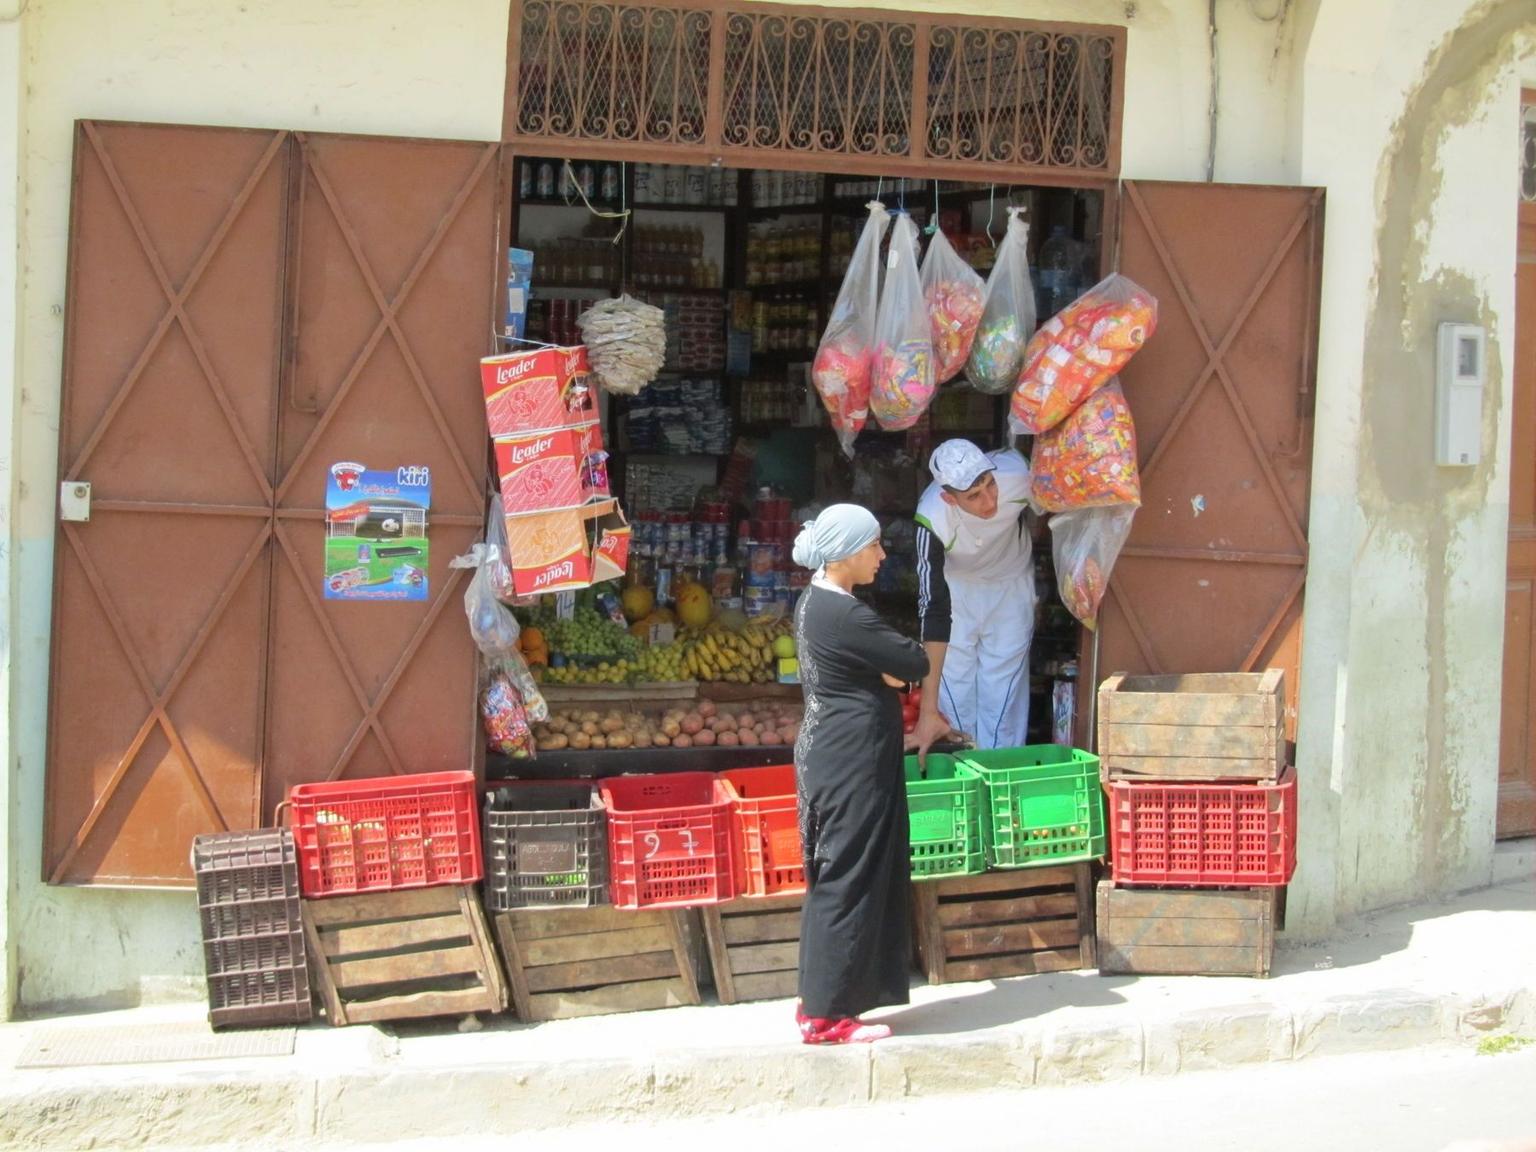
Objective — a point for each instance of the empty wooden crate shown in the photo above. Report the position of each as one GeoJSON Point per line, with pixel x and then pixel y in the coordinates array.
{"type": "Point", "coordinates": [1213, 726]}
{"type": "Point", "coordinates": [1186, 932]}
{"type": "Point", "coordinates": [754, 947]}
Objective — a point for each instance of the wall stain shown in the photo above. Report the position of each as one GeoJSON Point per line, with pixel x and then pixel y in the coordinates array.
{"type": "Point", "coordinates": [1399, 487]}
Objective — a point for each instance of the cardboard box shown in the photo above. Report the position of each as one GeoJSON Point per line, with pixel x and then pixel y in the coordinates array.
{"type": "Point", "coordinates": [547, 471]}
{"type": "Point", "coordinates": [537, 391]}
{"type": "Point", "coordinates": [568, 549]}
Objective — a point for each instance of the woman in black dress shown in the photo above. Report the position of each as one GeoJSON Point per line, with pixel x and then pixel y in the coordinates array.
{"type": "Point", "coordinates": [855, 936]}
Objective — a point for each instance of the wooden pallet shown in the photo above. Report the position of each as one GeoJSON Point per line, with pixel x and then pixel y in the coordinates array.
{"type": "Point", "coordinates": [1012, 923]}
{"type": "Point", "coordinates": [568, 962]}
{"type": "Point", "coordinates": [1216, 726]}
{"type": "Point", "coordinates": [754, 947]}
{"type": "Point", "coordinates": [400, 955]}
{"type": "Point", "coordinates": [1187, 932]}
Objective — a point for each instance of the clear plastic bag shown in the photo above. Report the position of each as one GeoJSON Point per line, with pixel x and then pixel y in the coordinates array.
{"type": "Point", "coordinates": [505, 718]}
{"type": "Point", "coordinates": [515, 666]}
{"type": "Point", "coordinates": [1079, 350]}
{"type": "Point", "coordinates": [1089, 459]}
{"type": "Point", "coordinates": [901, 386]}
{"type": "Point", "coordinates": [1084, 547]}
{"type": "Point", "coordinates": [498, 555]}
{"type": "Point", "coordinates": [1007, 316]}
{"type": "Point", "coordinates": [491, 623]}
{"type": "Point", "coordinates": [841, 371]}
{"type": "Point", "coordinates": [954, 295]}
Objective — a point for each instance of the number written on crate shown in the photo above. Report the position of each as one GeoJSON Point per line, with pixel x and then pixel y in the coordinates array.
{"type": "Point", "coordinates": [668, 843]}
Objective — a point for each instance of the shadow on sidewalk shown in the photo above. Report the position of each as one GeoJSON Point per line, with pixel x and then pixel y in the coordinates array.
{"type": "Point", "coordinates": [1007, 1002]}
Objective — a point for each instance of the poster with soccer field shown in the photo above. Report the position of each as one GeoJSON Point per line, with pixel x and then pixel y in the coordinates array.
{"type": "Point", "coordinates": [376, 532]}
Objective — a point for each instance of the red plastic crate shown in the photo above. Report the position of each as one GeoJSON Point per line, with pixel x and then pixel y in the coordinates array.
{"type": "Point", "coordinates": [1203, 835]}
{"type": "Point", "coordinates": [386, 834]}
{"type": "Point", "coordinates": [765, 827]}
{"type": "Point", "coordinates": [669, 840]}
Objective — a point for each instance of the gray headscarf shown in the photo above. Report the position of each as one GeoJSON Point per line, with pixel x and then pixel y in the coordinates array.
{"type": "Point", "coordinates": [836, 534]}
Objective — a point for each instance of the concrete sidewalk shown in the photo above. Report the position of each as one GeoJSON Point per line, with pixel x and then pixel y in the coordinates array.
{"type": "Point", "coordinates": [1446, 973]}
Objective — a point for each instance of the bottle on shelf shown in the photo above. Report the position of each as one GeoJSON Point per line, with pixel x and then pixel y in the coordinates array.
{"type": "Point", "coordinates": [1056, 273]}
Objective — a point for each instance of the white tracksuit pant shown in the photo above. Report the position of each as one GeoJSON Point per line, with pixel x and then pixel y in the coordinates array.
{"type": "Point", "coordinates": [985, 688]}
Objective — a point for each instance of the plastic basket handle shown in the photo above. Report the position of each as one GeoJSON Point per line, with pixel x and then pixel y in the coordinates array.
{"type": "Point", "coordinates": [277, 813]}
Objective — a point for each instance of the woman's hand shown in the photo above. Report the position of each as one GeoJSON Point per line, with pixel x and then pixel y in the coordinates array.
{"type": "Point", "coordinates": [892, 681]}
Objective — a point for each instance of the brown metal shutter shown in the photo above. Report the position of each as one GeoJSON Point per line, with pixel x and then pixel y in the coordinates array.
{"type": "Point", "coordinates": [394, 268]}
{"type": "Point", "coordinates": [172, 344]}
{"type": "Point", "coordinates": [1212, 576]}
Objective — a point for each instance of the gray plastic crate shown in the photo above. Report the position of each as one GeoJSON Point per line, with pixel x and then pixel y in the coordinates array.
{"type": "Point", "coordinates": [546, 845]}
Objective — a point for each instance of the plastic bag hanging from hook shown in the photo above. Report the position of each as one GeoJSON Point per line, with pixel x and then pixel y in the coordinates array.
{"type": "Point", "coordinates": [1007, 317]}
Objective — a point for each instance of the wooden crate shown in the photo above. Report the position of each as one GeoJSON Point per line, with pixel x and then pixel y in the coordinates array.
{"type": "Point", "coordinates": [754, 947]}
{"type": "Point", "coordinates": [1012, 923]}
{"type": "Point", "coordinates": [567, 962]}
{"type": "Point", "coordinates": [1187, 932]}
{"type": "Point", "coordinates": [399, 955]}
{"type": "Point", "coordinates": [1217, 726]}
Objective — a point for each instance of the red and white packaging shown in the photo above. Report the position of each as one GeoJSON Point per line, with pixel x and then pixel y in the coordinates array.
{"type": "Point", "coordinates": [546, 471]}
{"type": "Point", "coordinates": [568, 549]}
{"type": "Point", "coordinates": [537, 391]}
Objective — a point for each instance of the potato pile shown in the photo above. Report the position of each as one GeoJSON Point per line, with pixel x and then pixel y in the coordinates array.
{"type": "Point", "coordinates": [702, 725]}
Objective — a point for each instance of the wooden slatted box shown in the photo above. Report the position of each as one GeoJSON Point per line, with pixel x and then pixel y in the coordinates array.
{"type": "Point", "coordinates": [1186, 932]}
{"type": "Point", "coordinates": [1215, 726]}
{"type": "Point", "coordinates": [565, 962]}
{"type": "Point", "coordinates": [400, 955]}
{"type": "Point", "coordinates": [1012, 923]}
{"type": "Point", "coordinates": [754, 947]}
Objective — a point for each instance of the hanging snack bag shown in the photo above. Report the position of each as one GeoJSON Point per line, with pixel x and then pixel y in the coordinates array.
{"type": "Point", "coordinates": [841, 371]}
{"type": "Point", "coordinates": [902, 371]}
{"type": "Point", "coordinates": [1007, 316]}
{"type": "Point", "coordinates": [506, 721]}
{"type": "Point", "coordinates": [954, 295]}
{"type": "Point", "coordinates": [1077, 351]}
{"type": "Point", "coordinates": [1084, 547]}
{"type": "Point", "coordinates": [1089, 459]}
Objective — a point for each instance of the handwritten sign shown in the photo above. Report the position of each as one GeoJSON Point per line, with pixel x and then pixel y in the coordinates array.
{"type": "Point", "coordinates": [673, 844]}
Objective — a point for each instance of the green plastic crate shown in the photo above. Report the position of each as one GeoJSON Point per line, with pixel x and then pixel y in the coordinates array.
{"type": "Point", "coordinates": [1043, 805]}
{"type": "Point", "coordinates": [945, 807]}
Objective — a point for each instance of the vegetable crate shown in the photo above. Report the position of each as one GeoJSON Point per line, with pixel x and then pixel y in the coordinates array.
{"type": "Point", "coordinates": [1005, 923]}
{"type": "Point", "coordinates": [545, 844]}
{"type": "Point", "coordinates": [566, 962]}
{"type": "Point", "coordinates": [1043, 805]}
{"type": "Point", "coordinates": [402, 955]}
{"type": "Point", "coordinates": [253, 936]}
{"type": "Point", "coordinates": [1203, 835]}
{"type": "Point", "coordinates": [765, 826]}
{"type": "Point", "coordinates": [387, 834]}
{"type": "Point", "coordinates": [754, 947]}
{"type": "Point", "coordinates": [669, 840]}
{"type": "Point", "coordinates": [1186, 932]}
{"type": "Point", "coordinates": [944, 802]}
{"type": "Point", "coordinates": [1216, 726]}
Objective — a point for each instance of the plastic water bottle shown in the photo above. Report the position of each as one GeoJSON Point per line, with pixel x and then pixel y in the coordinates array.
{"type": "Point", "coordinates": [1056, 273]}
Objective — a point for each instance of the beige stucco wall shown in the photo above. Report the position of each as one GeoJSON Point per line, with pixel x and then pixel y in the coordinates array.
{"type": "Point", "coordinates": [1309, 99]}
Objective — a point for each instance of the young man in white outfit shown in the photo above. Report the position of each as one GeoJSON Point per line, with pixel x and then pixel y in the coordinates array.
{"type": "Point", "coordinates": [976, 597]}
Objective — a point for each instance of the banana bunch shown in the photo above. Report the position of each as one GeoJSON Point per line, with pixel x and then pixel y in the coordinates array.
{"type": "Point", "coordinates": [735, 658]}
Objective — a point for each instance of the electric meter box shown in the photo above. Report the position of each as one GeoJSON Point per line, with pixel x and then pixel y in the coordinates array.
{"type": "Point", "coordinates": [1459, 373]}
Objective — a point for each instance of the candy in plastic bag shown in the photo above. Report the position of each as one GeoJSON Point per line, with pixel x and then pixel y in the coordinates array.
{"type": "Point", "coordinates": [902, 372]}
{"type": "Point", "coordinates": [1084, 547]}
{"type": "Point", "coordinates": [515, 666]}
{"type": "Point", "coordinates": [491, 622]}
{"type": "Point", "coordinates": [506, 722]}
{"type": "Point", "coordinates": [1089, 459]}
{"type": "Point", "coordinates": [954, 294]}
{"type": "Point", "coordinates": [1007, 316]}
{"type": "Point", "coordinates": [1079, 350]}
{"type": "Point", "coordinates": [841, 370]}
{"type": "Point", "coordinates": [497, 555]}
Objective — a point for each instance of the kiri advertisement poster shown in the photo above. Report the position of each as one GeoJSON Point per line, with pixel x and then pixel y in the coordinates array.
{"type": "Point", "coordinates": [376, 532]}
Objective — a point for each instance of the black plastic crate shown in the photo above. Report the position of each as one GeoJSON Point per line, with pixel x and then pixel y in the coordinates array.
{"type": "Point", "coordinates": [546, 845]}
{"type": "Point", "coordinates": [253, 937]}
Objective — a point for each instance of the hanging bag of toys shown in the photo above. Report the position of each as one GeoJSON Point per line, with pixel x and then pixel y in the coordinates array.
{"type": "Point", "coordinates": [1084, 547]}
{"type": "Point", "coordinates": [953, 294]}
{"type": "Point", "coordinates": [841, 371]}
{"type": "Point", "coordinates": [1089, 459]}
{"type": "Point", "coordinates": [902, 371]}
{"type": "Point", "coordinates": [1007, 317]}
{"type": "Point", "coordinates": [1079, 350]}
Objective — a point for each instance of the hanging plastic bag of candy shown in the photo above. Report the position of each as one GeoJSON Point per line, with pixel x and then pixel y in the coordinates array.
{"type": "Point", "coordinates": [1084, 547]}
{"type": "Point", "coordinates": [506, 720]}
{"type": "Point", "coordinates": [497, 555]}
{"type": "Point", "coordinates": [841, 370]}
{"type": "Point", "coordinates": [902, 372]}
{"type": "Point", "coordinates": [1079, 350]}
{"type": "Point", "coordinates": [514, 665]}
{"type": "Point", "coordinates": [1007, 316]}
{"type": "Point", "coordinates": [491, 623]}
{"type": "Point", "coordinates": [1089, 459]}
{"type": "Point", "coordinates": [953, 294]}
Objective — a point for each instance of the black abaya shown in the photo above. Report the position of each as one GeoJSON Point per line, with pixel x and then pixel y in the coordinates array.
{"type": "Point", "coordinates": [855, 934]}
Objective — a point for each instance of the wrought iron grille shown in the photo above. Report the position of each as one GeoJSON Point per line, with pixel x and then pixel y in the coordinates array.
{"type": "Point", "coordinates": [771, 85]}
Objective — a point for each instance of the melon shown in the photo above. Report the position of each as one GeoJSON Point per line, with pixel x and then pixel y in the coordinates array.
{"type": "Point", "coordinates": [694, 607]}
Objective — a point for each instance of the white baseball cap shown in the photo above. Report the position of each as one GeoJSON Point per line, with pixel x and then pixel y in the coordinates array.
{"type": "Point", "coordinates": [958, 464]}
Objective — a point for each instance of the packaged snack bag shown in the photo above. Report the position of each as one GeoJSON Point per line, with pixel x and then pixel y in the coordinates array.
{"type": "Point", "coordinates": [902, 370]}
{"type": "Point", "coordinates": [1007, 317]}
{"type": "Point", "coordinates": [1089, 459]}
{"type": "Point", "coordinates": [953, 294]}
{"type": "Point", "coordinates": [841, 370]}
{"type": "Point", "coordinates": [505, 720]}
{"type": "Point", "coordinates": [1084, 546]}
{"type": "Point", "coordinates": [1078, 351]}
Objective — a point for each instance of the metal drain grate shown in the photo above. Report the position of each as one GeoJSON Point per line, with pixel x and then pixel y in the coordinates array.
{"type": "Point", "coordinates": [150, 1044]}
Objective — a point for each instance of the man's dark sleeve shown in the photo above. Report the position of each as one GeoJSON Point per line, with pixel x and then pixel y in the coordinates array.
{"type": "Point", "coordinates": [932, 589]}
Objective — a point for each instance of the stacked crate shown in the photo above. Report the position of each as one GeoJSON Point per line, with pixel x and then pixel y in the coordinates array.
{"type": "Point", "coordinates": [1202, 822]}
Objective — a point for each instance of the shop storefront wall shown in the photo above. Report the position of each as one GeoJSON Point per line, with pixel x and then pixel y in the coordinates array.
{"type": "Point", "coordinates": [422, 70]}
